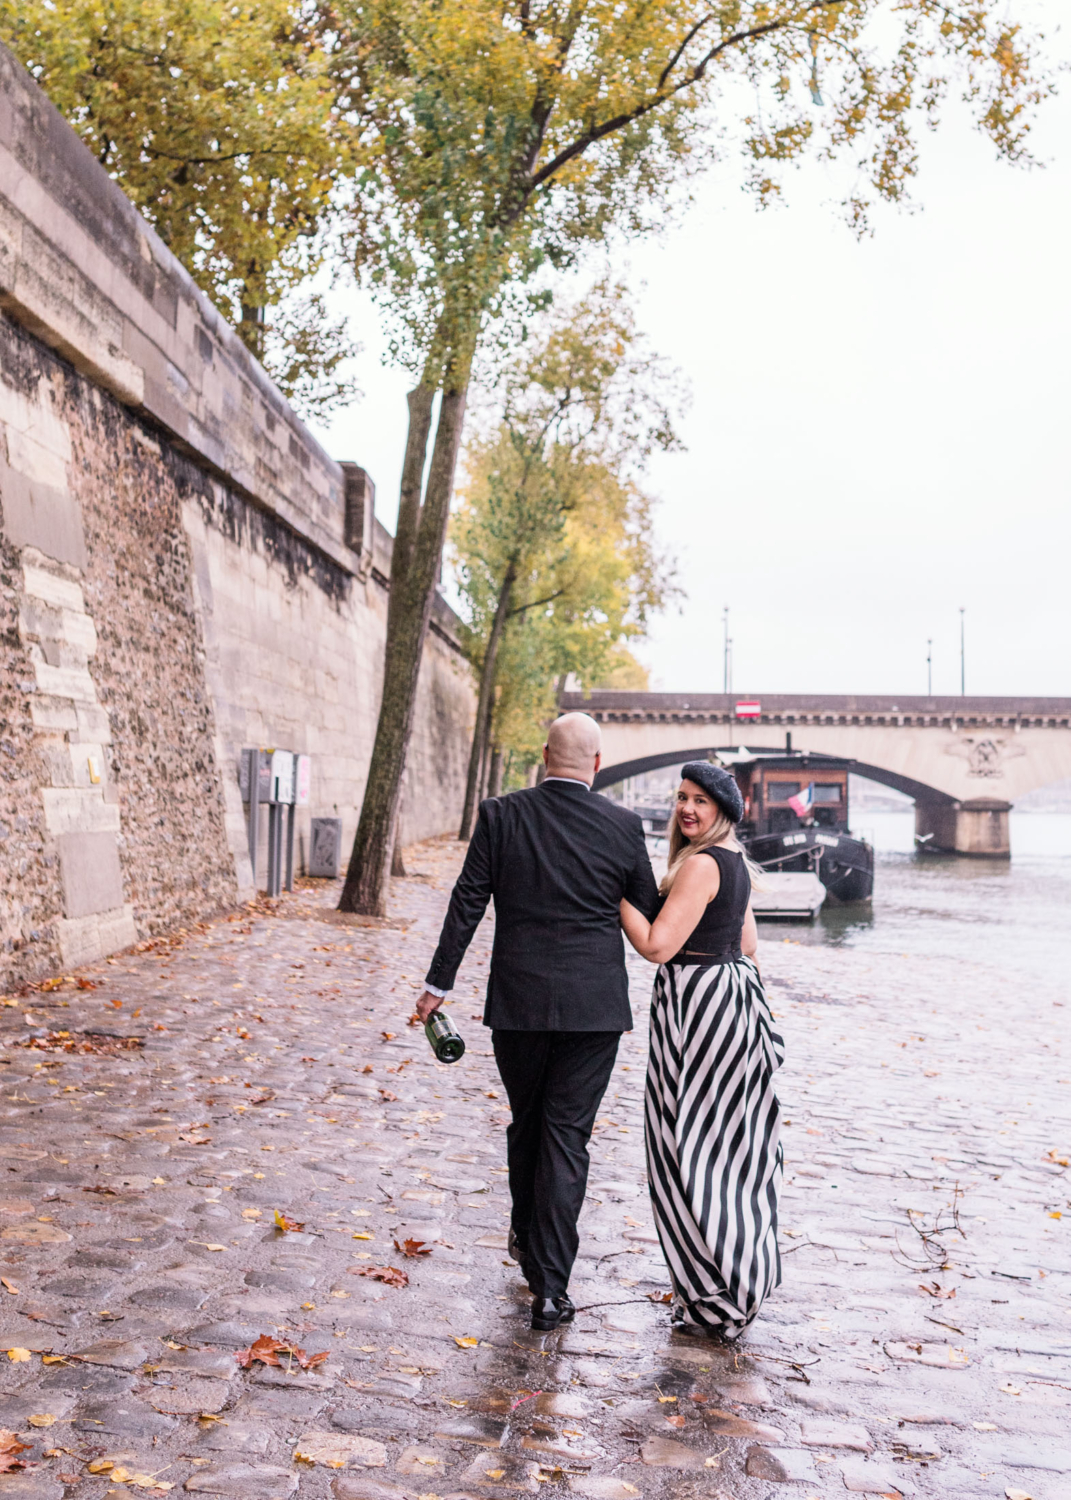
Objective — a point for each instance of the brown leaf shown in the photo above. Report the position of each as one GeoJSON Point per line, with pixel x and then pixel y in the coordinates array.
{"type": "Point", "coordinates": [675, 1421]}
{"type": "Point", "coordinates": [9, 1446]}
{"type": "Point", "coordinates": [387, 1095]}
{"type": "Point", "coordinates": [86, 984]}
{"type": "Point", "coordinates": [660, 1296]}
{"type": "Point", "coordinates": [287, 1224]}
{"type": "Point", "coordinates": [388, 1036]}
{"type": "Point", "coordinates": [391, 1275]}
{"type": "Point", "coordinates": [267, 1350]}
{"type": "Point", "coordinates": [367, 1068]}
{"type": "Point", "coordinates": [98, 1187]}
{"type": "Point", "coordinates": [264, 1098]}
{"type": "Point", "coordinates": [413, 1248]}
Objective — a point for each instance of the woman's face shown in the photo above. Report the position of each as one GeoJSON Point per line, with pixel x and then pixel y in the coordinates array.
{"type": "Point", "coordinates": [697, 811]}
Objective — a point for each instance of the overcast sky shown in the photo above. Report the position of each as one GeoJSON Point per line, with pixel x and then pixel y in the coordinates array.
{"type": "Point", "coordinates": [879, 432]}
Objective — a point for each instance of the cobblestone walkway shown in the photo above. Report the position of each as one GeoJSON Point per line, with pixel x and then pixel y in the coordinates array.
{"type": "Point", "coordinates": [920, 1344]}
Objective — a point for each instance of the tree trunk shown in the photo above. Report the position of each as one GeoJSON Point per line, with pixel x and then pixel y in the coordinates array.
{"type": "Point", "coordinates": [483, 705]}
{"type": "Point", "coordinates": [494, 781]}
{"type": "Point", "coordinates": [414, 574]}
{"type": "Point", "coordinates": [397, 860]}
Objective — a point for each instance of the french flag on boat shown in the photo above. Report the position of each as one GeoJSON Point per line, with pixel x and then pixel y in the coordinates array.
{"type": "Point", "coordinates": [802, 802]}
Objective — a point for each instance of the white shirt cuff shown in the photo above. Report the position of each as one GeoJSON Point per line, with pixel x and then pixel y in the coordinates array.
{"type": "Point", "coordinates": [432, 990]}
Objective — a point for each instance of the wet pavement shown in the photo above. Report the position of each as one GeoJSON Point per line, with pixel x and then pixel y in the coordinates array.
{"type": "Point", "coordinates": [263, 1065]}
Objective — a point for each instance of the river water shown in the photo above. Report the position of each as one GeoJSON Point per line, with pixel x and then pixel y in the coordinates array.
{"type": "Point", "coordinates": [1010, 916]}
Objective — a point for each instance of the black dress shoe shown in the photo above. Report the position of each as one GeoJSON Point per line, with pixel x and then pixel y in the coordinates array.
{"type": "Point", "coordinates": [549, 1313]}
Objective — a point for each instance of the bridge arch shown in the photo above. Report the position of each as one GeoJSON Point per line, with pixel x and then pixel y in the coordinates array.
{"type": "Point", "coordinates": [963, 760]}
{"type": "Point", "coordinates": [917, 790]}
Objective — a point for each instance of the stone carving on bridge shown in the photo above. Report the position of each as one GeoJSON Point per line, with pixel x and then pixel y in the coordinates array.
{"type": "Point", "coordinates": [985, 757]}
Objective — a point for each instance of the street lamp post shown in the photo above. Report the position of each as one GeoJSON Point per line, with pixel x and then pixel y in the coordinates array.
{"type": "Point", "coordinates": [962, 655]}
{"type": "Point", "coordinates": [725, 651]}
{"type": "Point", "coordinates": [929, 669]}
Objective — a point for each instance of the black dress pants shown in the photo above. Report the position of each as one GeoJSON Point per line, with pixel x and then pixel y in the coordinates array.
{"type": "Point", "coordinates": [555, 1081]}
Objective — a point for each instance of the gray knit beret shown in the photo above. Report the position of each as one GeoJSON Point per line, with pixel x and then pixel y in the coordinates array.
{"type": "Point", "coordinates": [717, 783]}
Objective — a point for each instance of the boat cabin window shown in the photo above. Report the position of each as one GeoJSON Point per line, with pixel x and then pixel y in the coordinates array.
{"type": "Point", "coordinates": [781, 791]}
{"type": "Point", "coordinates": [830, 792]}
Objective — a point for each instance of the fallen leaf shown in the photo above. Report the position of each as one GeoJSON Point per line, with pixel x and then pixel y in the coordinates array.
{"type": "Point", "coordinates": [18, 1356]}
{"type": "Point", "coordinates": [465, 1343]}
{"type": "Point", "coordinates": [388, 1036]}
{"type": "Point", "coordinates": [390, 1275]}
{"type": "Point", "coordinates": [266, 1350]}
{"type": "Point", "coordinates": [41, 1419]}
{"type": "Point", "coordinates": [1010, 1390]}
{"type": "Point", "coordinates": [660, 1296]}
{"type": "Point", "coordinates": [9, 1446]}
{"type": "Point", "coordinates": [494, 1473]}
{"type": "Point", "coordinates": [411, 1248]}
{"type": "Point", "coordinates": [1018, 1495]}
{"type": "Point", "coordinates": [252, 1213]}
{"type": "Point", "coordinates": [386, 1095]}
{"type": "Point", "coordinates": [675, 1421]}
{"type": "Point", "coordinates": [8, 1286]}
{"type": "Point", "coordinates": [100, 1466]}
{"type": "Point", "coordinates": [285, 1224]}
{"type": "Point", "coordinates": [362, 1234]}
{"type": "Point", "coordinates": [159, 1182]}
{"type": "Point", "coordinates": [934, 1289]}
{"type": "Point", "coordinates": [663, 1399]}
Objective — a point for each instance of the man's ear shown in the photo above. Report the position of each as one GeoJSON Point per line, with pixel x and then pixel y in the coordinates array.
{"type": "Point", "coordinates": [546, 755]}
{"type": "Point", "coordinates": [598, 762]}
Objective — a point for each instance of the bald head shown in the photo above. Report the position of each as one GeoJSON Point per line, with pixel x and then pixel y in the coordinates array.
{"type": "Point", "coordinates": [572, 748]}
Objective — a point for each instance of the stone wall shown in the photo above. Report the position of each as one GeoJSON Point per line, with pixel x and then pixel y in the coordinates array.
{"type": "Point", "coordinates": [183, 571]}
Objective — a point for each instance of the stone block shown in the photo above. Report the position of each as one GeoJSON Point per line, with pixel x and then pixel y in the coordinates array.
{"type": "Point", "coordinates": [39, 583]}
{"type": "Point", "coordinates": [65, 681]}
{"type": "Point", "coordinates": [835, 1435]}
{"type": "Point", "coordinates": [84, 940]}
{"type": "Point", "coordinates": [257, 1482]}
{"type": "Point", "coordinates": [92, 878]}
{"type": "Point", "coordinates": [781, 1465]}
{"type": "Point", "coordinates": [77, 810]}
{"type": "Point", "coordinates": [42, 515]}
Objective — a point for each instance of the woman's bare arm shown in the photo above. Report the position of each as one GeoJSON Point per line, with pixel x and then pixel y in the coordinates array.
{"type": "Point", "coordinates": [695, 887]}
{"type": "Point", "coordinates": [749, 936]}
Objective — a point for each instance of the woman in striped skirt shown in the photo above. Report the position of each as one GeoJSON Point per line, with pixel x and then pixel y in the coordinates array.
{"type": "Point", "coordinates": [713, 1120]}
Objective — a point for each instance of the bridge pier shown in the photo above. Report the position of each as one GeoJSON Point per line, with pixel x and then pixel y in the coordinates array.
{"type": "Point", "coordinates": [979, 827]}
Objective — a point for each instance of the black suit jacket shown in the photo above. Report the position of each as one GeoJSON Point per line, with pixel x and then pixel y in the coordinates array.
{"type": "Point", "coordinates": [556, 859]}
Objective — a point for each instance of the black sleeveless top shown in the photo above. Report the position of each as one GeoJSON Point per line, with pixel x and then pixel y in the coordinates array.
{"type": "Point", "coordinates": [717, 937]}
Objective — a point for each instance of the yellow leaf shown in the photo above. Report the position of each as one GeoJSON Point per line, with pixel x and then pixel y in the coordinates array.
{"type": "Point", "coordinates": [1054, 1215]}
{"type": "Point", "coordinates": [18, 1356]}
{"type": "Point", "coordinates": [252, 1213]}
{"type": "Point", "coordinates": [422, 1458]}
{"type": "Point", "coordinates": [362, 1234]}
{"type": "Point", "coordinates": [101, 1466]}
{"type": "Point", "coordinates": [663, 1399]}
{"type": "Point", "coordinates": [41, 1419]}
{"type": "Point", "coordinates": [53, 1359]}
{"type": "Point", "coordinates": [710, 1463]}
{"type": "Point", "coordinates": [159, 1182]}
{"type": "Point", "coordinates": [494, 1473]}
{"type": "Point", "coordinates": [466, 1343]}
{"type": "Point", "coordinates": [121, 1475]}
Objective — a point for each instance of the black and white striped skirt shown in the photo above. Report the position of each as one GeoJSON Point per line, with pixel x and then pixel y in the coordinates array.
{"type": "Point", "coordinates": [713, 1139]}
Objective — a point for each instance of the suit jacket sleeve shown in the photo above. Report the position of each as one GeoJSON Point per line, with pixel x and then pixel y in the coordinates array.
{"type": "Point", "coordinates": [641, 888]}
{"type": "Point", "coordinates": [468, 902]}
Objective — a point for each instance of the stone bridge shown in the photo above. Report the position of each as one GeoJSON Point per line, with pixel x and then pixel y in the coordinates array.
{"type": "Point", "coordinates": [963, 760]}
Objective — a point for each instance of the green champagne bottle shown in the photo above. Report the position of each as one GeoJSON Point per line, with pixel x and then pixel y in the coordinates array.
{"type": "Point", "coordinates": [443, 1037]}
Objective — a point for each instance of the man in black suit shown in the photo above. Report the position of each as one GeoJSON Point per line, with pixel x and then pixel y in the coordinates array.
{"type": "Point", "coordinates": [556, 859]}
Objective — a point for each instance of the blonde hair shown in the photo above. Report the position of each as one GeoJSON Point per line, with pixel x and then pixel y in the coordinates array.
{"type": "Point", "coordinates": [721, 831]}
